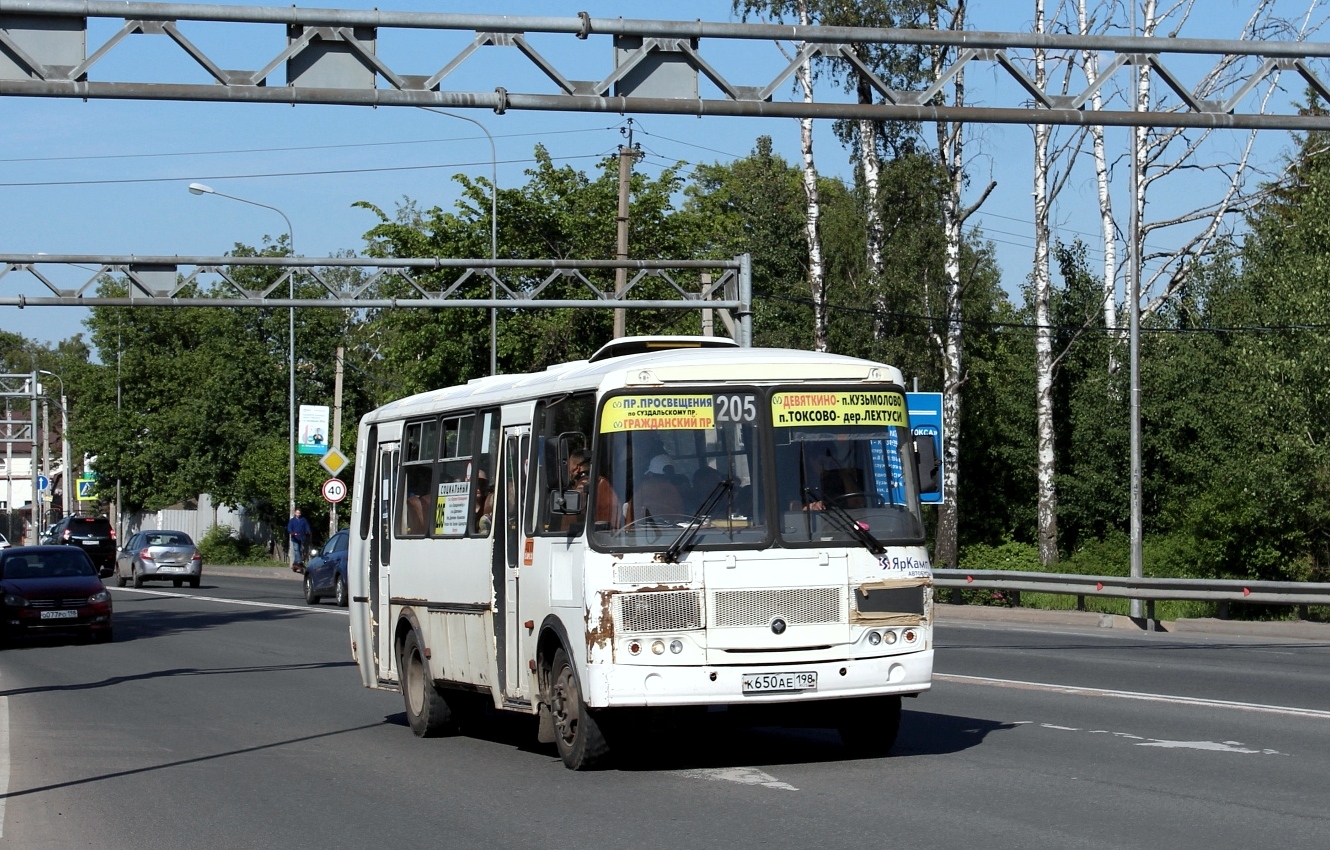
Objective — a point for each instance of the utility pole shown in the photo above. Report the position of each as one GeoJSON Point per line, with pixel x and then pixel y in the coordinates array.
{"type": "Point", "coordinates": [335, 439]}
{"type": "Point", "coordinates": [46, 450]}
{"type": "Point", "coordinates": [627, 153]}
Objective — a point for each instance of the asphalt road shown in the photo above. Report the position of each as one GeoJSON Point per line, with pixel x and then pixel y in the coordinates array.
{"type": "Point", "coordinates": [231, 717]}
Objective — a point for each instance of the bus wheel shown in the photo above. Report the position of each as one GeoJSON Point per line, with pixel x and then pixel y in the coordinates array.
{"type": "Point", "coordinates": [581, 743]}
{"type": "Point", "coordinates": [426, 710]}
{"type": "Point", "coordinates": [868, 726]}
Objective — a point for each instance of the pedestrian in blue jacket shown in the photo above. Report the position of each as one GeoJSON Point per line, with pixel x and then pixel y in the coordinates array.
{"type": "Point", "coordinates": [297, 528]}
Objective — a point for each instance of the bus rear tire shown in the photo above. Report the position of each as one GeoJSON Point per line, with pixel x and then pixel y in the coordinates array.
{"type": "Point", "coordinates": [426, 711]}
{"type": "Point", "coordinates": [577, 734]}
{"type": "Point", "coordinates": [868, 726]}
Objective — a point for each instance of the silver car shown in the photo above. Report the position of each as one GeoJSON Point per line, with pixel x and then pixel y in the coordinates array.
{"type": "Point", "coordinates": [153, 555]}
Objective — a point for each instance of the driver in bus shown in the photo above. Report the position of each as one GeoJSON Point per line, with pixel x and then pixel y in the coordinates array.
{"type": "Point", "coordinates": [607, 501]}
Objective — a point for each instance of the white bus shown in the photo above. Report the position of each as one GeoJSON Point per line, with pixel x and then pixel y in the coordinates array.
{"type": "Point", "coordinates": [676, 521]}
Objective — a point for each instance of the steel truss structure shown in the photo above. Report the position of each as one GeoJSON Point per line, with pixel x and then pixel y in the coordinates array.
{"type": "Point", "coordinates": [367, 283]}
{"type": "Point", "coordinates": [332, 57]}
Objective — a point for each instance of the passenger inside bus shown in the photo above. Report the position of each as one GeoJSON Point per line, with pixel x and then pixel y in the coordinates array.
{"type": "Point", "coordinates": [656, 495]}
{"type": "Point", "coordinates": [484, 503]}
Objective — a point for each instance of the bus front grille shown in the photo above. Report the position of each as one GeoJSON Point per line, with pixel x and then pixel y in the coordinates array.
{"type": "Point", "coordinates": [796, 606]}
{"type": "Point", "coordinates": [658, 611]}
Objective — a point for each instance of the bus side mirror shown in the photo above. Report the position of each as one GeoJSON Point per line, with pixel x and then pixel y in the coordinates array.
{"type": "Point", "coordinates": [566, 502]}
{"type": "Point", "coordinates": [925, 456]}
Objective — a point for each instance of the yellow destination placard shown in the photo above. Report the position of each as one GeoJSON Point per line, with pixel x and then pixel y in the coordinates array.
{"type": "Point", "coordinates": [790, 409]}
{"type": "Point", "coordinates": [657, 413]}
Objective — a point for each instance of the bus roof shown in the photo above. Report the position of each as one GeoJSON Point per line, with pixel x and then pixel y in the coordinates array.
{"type": "Point", "coordinates": [666, 366]}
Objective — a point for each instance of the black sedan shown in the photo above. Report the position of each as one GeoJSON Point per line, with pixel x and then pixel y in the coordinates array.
{"type": "Point", "coordinates": [52, 588]}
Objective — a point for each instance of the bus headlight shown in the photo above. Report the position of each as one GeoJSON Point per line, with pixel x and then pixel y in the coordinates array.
{"type": "Point", "coordinates": [658, 647]}
{"type": "Point", "coordinates": [676, 646]}
{"type": "Point", "coordinates": [634, 648]}
{"type": "Point", "coordinates": [874, 638]}
{"type": "Point", "coordinates": [889, 637]}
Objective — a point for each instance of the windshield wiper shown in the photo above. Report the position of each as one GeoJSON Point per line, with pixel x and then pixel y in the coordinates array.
{"type": "Point", "coordinates": [846, 523]}
{"type": "Point", "coordinates": [675, 549]}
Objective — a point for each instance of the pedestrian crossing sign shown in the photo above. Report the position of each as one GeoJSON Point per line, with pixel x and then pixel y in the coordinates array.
{"type": "Point", "coordinates": [86, 489]}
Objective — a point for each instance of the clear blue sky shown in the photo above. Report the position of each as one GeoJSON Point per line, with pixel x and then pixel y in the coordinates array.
{"type": "Point", "coordinates": [110, 177]}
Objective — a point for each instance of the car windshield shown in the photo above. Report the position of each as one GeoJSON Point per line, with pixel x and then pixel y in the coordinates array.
{"type": "Point", "coordinates": [666, 461]}
{"type": "Point", "coordinates": [28, 565]}
{"type": "Point", "coordinates": [841, 469]}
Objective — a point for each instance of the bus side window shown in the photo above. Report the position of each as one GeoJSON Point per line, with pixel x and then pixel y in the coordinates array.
{"type": "Point", "coordinates": [565, 425]}
{"type": "Point", "coordinates": [482, 489]}
{"type": "Point", "coordinates": [415, 503]}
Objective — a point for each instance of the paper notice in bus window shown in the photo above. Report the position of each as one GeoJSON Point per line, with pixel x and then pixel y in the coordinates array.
{"type": "Point", "coordinates": [791, 409]}
{"type": "Point", "coordinates": [450, 511]}
{"type": "Point", "coordinates": [657, 413]}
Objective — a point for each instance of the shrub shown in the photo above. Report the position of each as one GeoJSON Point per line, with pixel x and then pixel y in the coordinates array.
{"type": "Point", "coordinates": [221, 545]}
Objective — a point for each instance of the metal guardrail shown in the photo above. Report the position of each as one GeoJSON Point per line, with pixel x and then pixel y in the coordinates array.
{"type": "Point", "coordinates": [1149, 589]}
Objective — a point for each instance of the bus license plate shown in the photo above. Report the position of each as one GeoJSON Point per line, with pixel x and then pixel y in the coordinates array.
{"type": "Point", "coordinates": [59, 615]}
{"type": "Point", "coordinates": [758, 683]}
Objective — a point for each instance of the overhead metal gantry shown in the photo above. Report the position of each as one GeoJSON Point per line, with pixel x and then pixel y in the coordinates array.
{"type": "Point", "coordinates": [333, 56]}
{"type": "Point", "coordinates": [368, 283]}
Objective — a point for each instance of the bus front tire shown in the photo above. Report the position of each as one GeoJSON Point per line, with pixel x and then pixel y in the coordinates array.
{"type": "Point", "coordinates": [426, 710]}
{"type": "Point", "coordinates": [577, 734]}
{"type": "Point", "coordinates": [868, 726]}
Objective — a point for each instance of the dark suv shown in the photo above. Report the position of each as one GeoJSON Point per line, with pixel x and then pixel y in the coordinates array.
{"type": "Point", "coordinates": [93, 535]}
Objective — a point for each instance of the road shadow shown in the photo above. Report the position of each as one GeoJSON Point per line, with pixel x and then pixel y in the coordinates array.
{"type": "Point", "coordinates": [173, 672]}
{"type": "Point", "coordinates": [690, 740]}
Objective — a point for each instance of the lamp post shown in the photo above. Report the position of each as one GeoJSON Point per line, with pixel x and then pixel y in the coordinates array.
{"type": "Point", "coordinates": [64, 445]}
{"type": "Point", "coordinates": [200, 189]}
{"type": "Point", "coordinates": [494, 230]}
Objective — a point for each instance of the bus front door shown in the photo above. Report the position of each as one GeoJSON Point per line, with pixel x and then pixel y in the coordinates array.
{"type": "Point", "coordinates": [510, 633]}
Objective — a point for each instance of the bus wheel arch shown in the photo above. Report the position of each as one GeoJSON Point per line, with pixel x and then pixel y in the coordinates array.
{"type": "Point", "coordinates": [427, 713]}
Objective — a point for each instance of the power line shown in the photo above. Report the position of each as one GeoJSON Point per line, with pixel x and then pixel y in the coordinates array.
{"type": "Point", "coordinates": [318, 173]}
{"type": "Point", "coordinates": [302, 148]}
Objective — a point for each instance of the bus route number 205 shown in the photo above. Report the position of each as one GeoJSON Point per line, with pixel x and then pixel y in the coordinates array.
{"type": "Point", "coordinates": [736, 408]}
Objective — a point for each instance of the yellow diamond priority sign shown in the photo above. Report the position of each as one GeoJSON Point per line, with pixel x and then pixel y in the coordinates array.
{"type": "Point", "coordinates": [333, 461]}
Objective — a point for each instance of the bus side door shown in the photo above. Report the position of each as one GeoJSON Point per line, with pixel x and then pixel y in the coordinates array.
{"type": "Point", "coordinates": [512, 638]}
{"type": "Point", "coordinates": [380, 593]}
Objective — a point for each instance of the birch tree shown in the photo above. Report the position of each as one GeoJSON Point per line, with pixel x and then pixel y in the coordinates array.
{"type": "Point", "coordinates": [950, 342]}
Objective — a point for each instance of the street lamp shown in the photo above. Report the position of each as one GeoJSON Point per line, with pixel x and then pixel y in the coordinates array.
{"type": "Point", "coordinates": [200, 189]}
{"type": "Point", "coordinates": [64, 444]}
{"type": "Point", "coordinates": [494, 231]}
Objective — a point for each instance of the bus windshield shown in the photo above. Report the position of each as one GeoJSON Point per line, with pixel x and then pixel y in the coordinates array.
{"type": "Point", "coordinates": [841, 469]}
{"type": "Point", "coordinates": [710, 462]}
{"type": "Point", "coordinates": [669, 460]}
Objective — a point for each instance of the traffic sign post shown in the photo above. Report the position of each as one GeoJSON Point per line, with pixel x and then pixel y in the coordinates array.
{"type": "Point", "coordinates": [334, 490]}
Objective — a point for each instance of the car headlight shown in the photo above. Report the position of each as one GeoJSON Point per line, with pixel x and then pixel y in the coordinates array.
{"type": "Point", "coordinates": [15, 601]}
{"type": "Point", "coordinates": [99, 596]}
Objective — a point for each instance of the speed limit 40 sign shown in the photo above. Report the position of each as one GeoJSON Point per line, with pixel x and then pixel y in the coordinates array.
{"type": "Point", "coordinates": [334, 490]}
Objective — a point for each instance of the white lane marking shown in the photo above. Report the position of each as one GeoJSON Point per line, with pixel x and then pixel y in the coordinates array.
{"type": "Point", "coordinates": [1103, 692]}
{"type": "Point", "coordinates": [741, 775]}
{"type": "Point", "coordinates": [4, 760]}
{"type": "Point", "coordinates": [312, 609]}
{"type": "Point", "coordinates": [1211, 746]}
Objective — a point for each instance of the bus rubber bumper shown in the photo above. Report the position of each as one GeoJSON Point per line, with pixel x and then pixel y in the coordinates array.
{"type": "Point", "coordinates": [615, 685]}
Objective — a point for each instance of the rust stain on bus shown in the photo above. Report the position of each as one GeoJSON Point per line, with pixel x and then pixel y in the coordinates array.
{"type": "Point", "coordinates": [600, 633]}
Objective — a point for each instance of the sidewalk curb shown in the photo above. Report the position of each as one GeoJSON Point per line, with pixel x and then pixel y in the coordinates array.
{"type": "Point", "coordinates": [1292, 630]}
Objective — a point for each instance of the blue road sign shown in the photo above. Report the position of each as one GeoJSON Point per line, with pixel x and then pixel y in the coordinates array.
{"type": "Point", "coordinates": [42, 482]}
{"type": "Point", "coordinates": [925, 411]}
